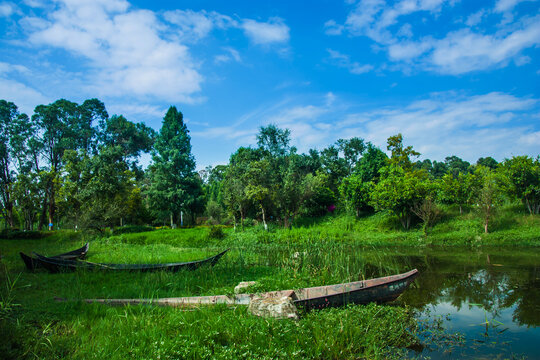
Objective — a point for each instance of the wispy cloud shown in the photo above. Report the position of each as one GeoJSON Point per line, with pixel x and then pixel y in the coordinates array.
{"type": "Point", "coordinates": [438, 125]}
{"type": "Point", "coordinates": [124, 47]}
{"type": "Point", "coordinates": [345, 61]}
{"type": "Point", "coordinates": [459, 51]}
{"type": "Point", "coordinates": [450, 123]}
{"type": "Point", "coordinates": [229, 55]}
{"type": "Point", "coordinates": [271, 32]}
{"type": "Point", "coordinates": [507, 5]}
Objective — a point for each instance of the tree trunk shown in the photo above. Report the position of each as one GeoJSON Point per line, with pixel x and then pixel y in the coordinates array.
{"type": "Point", "coordinates": [286, 221]}
{"type": "Point", "coordinates": [9, 219]}
{"type": "Point", "coordinates": [242, 218]}
{"type": "Point", "coordinates": [264, 218]}
{"type": "Point", "coordinates": [460, 209]}
{"type": "Point", "coordinates": [172, 221]}
{"type": "Point", "coordinates": [43, 216]}
{"type": "Point", "coordinates": [52, 206]}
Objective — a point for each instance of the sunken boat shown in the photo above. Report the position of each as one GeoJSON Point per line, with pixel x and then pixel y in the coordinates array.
{"type": "Point", "coordinates": [32, 263]}
{"type": "Point", "coordinates": [378, 290]}
{"type": "Point", "coordinates": [56, 265]}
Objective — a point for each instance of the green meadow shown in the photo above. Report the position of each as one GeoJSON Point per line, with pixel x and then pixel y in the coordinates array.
{"type": "Point", "coordinates": [331, 250]}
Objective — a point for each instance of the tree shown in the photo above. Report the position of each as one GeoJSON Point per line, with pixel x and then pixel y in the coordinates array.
{"type": "Point", "coordinates": [401, 156]}
{"type": "Point", "coordinates": [488, 162]}
{"type": "Point", "coordinates": [235, 182]}
{"type": "Point", "coordinates": [399, 191]}
{"type": "Point", "coordinates": [64, 125]}
{"type": "Point", "coordinates": [522, 175]}
{"type": "Point", "coordinates": [259, 188]}
{"type": "Point", "coordinates": [8, 117]}
{"type": "Point", "coordinates": [297, 187]}
{"type": "Point", "coordinates": [274, 140]}
{"type": "Point", "coordinates": [107, 186]}
{"type": "Point", "coordinates": [172, 173]}
{"type": "Point", "coordinates": [456, 165]}
{"type": "Point", "coordinates": [489, 195]}
{"type": "Point", "coordinates": [400, 187]}
{"type": "Point", "coordinates": [334, 166]}
{"type": "Point", "coordinates": [352, 150]}
{"type": "Point", "coordinates": [428, 211]}
{"type": "Point", "coordinates": [133, 138]}
{"type": "Point", "coordinates": [355, 190]}
{"type": "Point", "coordinates": [460, 190]}
{"type": "Point", "coordinates": [370, 164]}
{"type": "Point", "coordinates": [355, 193]}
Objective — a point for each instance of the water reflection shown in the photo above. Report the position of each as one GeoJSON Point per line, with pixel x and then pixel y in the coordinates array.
{"type": "Point", "coordinates": [492, 297]}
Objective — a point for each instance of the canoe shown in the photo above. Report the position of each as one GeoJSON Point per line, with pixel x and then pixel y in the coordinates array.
{"type": "Point", "coordinates": [379, 290]}
{"type": "Point", "coordinates": [33, 263]}
{"type": "Point", "coordinates": [55, 265]}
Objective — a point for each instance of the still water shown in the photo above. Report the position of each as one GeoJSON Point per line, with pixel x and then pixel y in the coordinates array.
{"type": "Point", "coordinates": [487, 301]}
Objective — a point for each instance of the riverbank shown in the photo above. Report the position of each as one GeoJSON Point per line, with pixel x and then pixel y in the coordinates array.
{"type": "Point", "coordinates": [33, 325]}
{"type": "Point", "coordinates": [511, 226]}
{"type": "Point", "coordinates": [332, 250]}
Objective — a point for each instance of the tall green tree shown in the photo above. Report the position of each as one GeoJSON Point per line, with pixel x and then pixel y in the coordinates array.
{"type": "Point", "coordinates": [9, 116]}
{"type": "Point", "coordinates": [401, 187]}
{"type": "Point", "coordinates": [63, 125]}
{"type": "Point", "coordinates": [259, 187]}
{"type": "Point", "coordinates": [489, 195]}
{"type": "Point", "coordinates": [173, 179]}
{"type": "Point", "coordinates": [522, 174]}
{"type": "Point", "coordinates": [460, 190]}
{"type": "Point", "coordinates": [456, 165]}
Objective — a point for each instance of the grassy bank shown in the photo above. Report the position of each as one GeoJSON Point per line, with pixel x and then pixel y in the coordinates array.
{"type": "Point", "coordinates": [511, 226]}
{"type": "Point", "coordinates": [33, 325]}
{"type": "Point", "coordinates": [330, 250]}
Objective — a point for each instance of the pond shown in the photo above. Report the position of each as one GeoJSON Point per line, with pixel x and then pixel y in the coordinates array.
{"type": "Point", "coordinates": [488, 298]}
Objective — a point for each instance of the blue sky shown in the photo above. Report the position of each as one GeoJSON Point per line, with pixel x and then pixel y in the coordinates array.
{"type": "Point", "coordinates": [454, 77]}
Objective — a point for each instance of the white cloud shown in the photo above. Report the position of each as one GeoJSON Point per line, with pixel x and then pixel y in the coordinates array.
{"type": "Point", "coordinates": [447, 124]}
{"type": "Point", "coordinates": [507, 5]}
{"type": "Point", "coordinates": [273, 31]}
{"type": "Point", "coordinates": [7, 9]}
{"type": "Point", "coordinates": [458, 51]}
{"type": "Point", "coordinates": [194, 26]}
{"type": "Point", "coordinates": [230, 55]}
{"type": "Point", "coordinates": [333, 28]}
{"type": "Point", "coordinates": [476, 18]}
{"type": "Point", "coordinates": [442, 124]}
{"type": "Point", "coordinates": [465, 51]}
{"type": "Point", "coordinates": [25, 97]}
{"type": "Point", "coordinates": [344, 61]}
{"type": "Point", "coordinates": [124, 47]}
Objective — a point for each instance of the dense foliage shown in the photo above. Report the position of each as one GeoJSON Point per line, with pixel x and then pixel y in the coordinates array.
{"type": "Point", "coordinates": [75, 166]}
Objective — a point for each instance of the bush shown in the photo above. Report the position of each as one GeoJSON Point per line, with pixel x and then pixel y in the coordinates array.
{"type": "Point", "coordinates": [17, 234]}
{"type": "Point", "coordinates": [132, 229]}
{"type": "Point", "coordinates": [216, 232]}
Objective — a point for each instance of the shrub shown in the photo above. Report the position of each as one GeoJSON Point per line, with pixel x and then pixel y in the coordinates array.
{"type": "Point", "coordinates": [132, 229]}
{"type": "Point", "coordinates": [216, 232]}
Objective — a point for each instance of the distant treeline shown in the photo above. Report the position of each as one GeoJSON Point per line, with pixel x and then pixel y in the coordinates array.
{"type": "Point", "coordinates": [73, 165]}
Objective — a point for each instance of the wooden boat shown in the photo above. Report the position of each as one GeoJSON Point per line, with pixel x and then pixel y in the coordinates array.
{"type": "Point", "coordinates": [33, 263]}
{"type": "Point", "coordinates": [379, 290]}
{"type": "Point", "coordinates": [55, 265]}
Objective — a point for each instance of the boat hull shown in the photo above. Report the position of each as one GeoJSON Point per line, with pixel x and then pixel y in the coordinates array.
{"type": "Point", "coordinates": [379, 290]}
{"type": "Point", "coordinates": [54, 265]}
{"type": "Point", "coordinates": [33, 263]}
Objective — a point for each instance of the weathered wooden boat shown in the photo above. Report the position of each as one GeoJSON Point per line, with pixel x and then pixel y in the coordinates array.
{"type": "Point", "coordinates": [55, 265]}
{"type": "Point", "coordinates": [379, 290]}
{"type": "Point", "coordinates": [33, 263]}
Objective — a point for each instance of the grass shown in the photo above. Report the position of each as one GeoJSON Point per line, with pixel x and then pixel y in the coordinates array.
{"type": "Point", "coordinates": [330, 250]}
{"type": "Point", "coordinates": [42, 328]}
